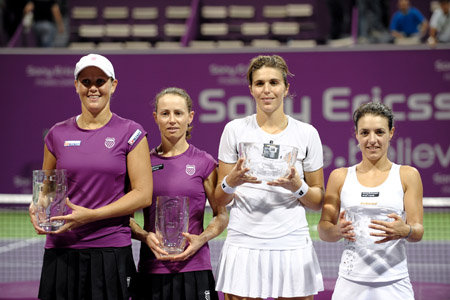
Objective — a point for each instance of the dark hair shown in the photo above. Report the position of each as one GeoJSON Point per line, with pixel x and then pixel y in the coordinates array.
{"type": "Point", "coordinates": [179, 92]}
{"type": "Point", "coordinates": [274, 61]}
{"type": "Point", "coordinates": [376, 109]}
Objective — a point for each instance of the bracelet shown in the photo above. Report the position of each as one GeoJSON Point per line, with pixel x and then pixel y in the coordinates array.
{"type": "Point", "coordinates": [226, 188]}
{"type": "Point", "coordinates": [302, 190]}
{"type": "Point", "coordinates": [410, 231]}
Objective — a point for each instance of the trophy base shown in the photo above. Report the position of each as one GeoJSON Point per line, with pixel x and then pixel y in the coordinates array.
{"type": "Point", "coordinates": [172, 251]}
{"type": "Point", "coordinates": [51, 226]}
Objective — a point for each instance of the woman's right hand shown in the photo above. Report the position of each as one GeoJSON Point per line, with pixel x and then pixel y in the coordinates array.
{"type": "Point", "coordinates": [153, 243]}
{"type": "Point", "coordinates": [238, 175]}
{"type": "Point", "coordinates": [345, 228]}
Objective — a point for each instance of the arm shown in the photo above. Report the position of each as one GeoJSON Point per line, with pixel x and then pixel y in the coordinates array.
{"type": "Point", "coordinates": [137, 232]}
{"type": "Point", "coordinates": [58, 17]}
{"type": "Point", "coordinates": [432, 40]}
{"type": "Point", "coordinates": [140, 195]}
{"type": "Point", "coordinates": [140, 234]}
{"type": "Point", "coordinates": [219, 195]}
{"type": "Point", "coordinates": [423, 27]}
{"type": "Point", "coordinates": [397, 34]}
{"type": "Point", "coordinates": [393, 27]}
{"type": "Point", "coordinates": [235, 176]}
{"type": "Point", "coordinates": [413, 202]}
{"type": "Point", "coordinates": [220, 214]}
{"type": "Point", "coordinates": [215, 227]}
{"type": "Point", "coordinates": [315, 195]}
{"type": "Point", "coordinates": [332, 225]}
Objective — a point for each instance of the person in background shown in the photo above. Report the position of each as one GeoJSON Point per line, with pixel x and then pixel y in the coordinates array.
{"type": "Point", "coordinates": [372, 25]}
{"type": "Point", "coordinates": [380, 273]}
{"type": "Point", "coordinates": [179, 169]}
{"type": "Point", "coordinates": [440, 24]}
{"type": "Point", "coordinates": [408, 21]}
{"type": "Point", "coordinates": [338, 19]}
{"type": "Point", "coordinates": [12, 11]}
{"type": "Point", "coordinates": [268, 251]}
{"type": "Point", "coordinates": [47, 20]}
{"type": "Point", "coordinates": [105, 156]}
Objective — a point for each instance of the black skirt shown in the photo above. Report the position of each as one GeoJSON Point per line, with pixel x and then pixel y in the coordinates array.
{"type": "Point", "coordinates": [177, 286]}
{"type": "Point", "coordinates": [87, 274]}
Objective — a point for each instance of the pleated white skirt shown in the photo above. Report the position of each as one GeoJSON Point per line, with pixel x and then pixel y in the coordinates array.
{"type": "Point", "coordinates": [263, 273]}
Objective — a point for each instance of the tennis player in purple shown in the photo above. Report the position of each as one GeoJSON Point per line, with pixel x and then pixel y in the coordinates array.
{"type": "Point", "coordinates": [179, 169]}
{"type": "Point", "coordinates": [107, 162]}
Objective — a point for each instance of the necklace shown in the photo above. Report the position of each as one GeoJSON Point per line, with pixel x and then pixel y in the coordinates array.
{"type": "Point", "coordinates": [283, 127]}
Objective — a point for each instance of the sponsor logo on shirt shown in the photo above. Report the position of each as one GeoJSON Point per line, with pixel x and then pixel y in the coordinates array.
{"type": "Point", "coordinates": [370, 194]}
{"type": "Point", "coordinates": [72, 143]}
{"type": "Point", "coordinates": [110, 142]}
{"type": "Point", "coordinates": [134, 137]}
{"type": "Point", "coordinates": [157, 167]}
{"type": "Point", "coordinates": [190, 170]}
{"type": "Point", "coordinates": [369, 203]}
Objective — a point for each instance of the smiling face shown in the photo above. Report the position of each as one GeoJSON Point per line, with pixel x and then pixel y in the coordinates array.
{"type": "Point", "coordinates": [172, 116]}
{"type": "Point", "coordinates": [268, 89]}
{"type": "Point", "coordinates": [94, 89]}
{"type": "Point", "coordinates": [373, 135]}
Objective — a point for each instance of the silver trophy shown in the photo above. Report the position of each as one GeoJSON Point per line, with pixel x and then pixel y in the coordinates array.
{"type": "Point", "coordinates": [268, 162]}
{"type": "Point", "coordinates": [361, 217]}
{"type": "Point", "coordinates": [49, 194]}
{"type": "Point", "coordinates": [172, 219]}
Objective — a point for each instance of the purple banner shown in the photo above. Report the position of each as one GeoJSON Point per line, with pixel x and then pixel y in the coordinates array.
{"type": "Point", "coordinates": [38, 91]}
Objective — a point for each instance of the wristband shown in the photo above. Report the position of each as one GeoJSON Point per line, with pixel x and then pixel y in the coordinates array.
{"type": "Point", "coordinates": [410, 232]}
{"type": "Point", "coordinates": [302, 190]}
{"type": "Point", "coordinates": [226, 188]}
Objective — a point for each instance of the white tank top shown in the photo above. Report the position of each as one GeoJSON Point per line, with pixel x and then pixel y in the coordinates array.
{"type": "Point", "coordinates": [380, 264]}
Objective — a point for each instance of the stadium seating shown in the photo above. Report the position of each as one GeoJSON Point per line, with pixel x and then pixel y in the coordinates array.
{"type": "Point", "coordinates": [228, 23]}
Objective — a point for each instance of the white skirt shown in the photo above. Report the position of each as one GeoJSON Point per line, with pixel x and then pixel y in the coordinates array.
{"type": "Point", "coordinates": [257, 273]}
{"type": "Point", "coordinates": [393, 290]}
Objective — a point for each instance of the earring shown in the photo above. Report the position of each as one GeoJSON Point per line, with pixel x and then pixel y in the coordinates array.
{"type": "Point", "coordinates": [357, 146]}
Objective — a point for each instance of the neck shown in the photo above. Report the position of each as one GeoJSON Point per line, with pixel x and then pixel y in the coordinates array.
{"type": "Point", "coordinates": [272, 123]}
{"type": "Point", "coordinates": [88, 120]}
{"type": "Point", "coordinates": [380, 165]}
{"type": "Point", "coordinates": [170, 148]}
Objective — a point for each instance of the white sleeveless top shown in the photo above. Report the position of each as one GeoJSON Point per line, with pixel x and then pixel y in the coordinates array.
{"type": "Point", "coordinates": [380, 264]}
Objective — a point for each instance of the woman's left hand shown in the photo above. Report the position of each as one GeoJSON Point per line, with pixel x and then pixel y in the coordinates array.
{"type": "Point", "coordinates": [195, 243]}
{"type": "Point", "coordinates": [79, 216]}
{"type": "Point", "coordinates": [292, 182]}
{"type": "Point", "coordinates": [394, 230]}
